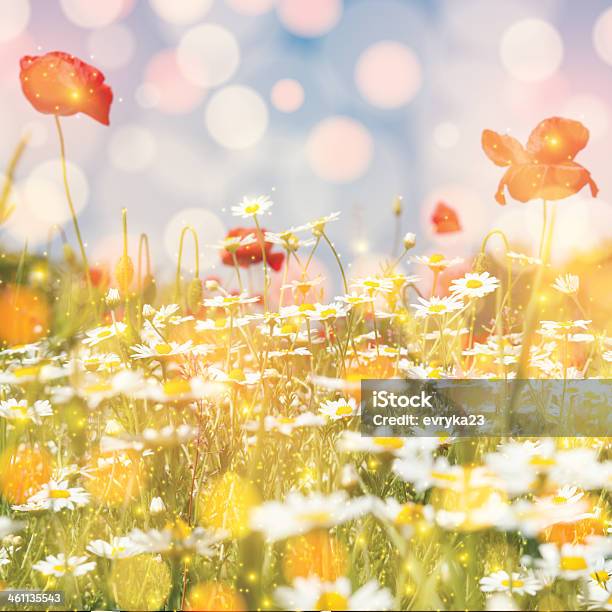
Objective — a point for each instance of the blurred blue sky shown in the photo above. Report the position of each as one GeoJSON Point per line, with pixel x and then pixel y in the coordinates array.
{"type": "Point", "coordinates": [474, 71]}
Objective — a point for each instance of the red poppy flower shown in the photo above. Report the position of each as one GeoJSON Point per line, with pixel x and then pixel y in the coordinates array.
{"type": "Point", "coordinates": [250, 254]}
{"type": "Point", "coordinates": [445, 219]}
{"type": "Point", "coordinates": [545, 168]}
{"type": "Point", "coordinates": [60, 84]}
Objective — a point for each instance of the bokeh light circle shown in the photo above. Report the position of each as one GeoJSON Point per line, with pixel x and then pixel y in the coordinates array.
{"type": "Point", "coordinates": [236, 117]}
{"type": "Point", "coordinates": [531, 50]}
{"type": "Point", "coordinates": [446, 135]}
{"type": "Point", "coordinates": [165, 87]}
{"type": "Point", "coordinates": [602, 36]}
{"type": "Point", "coordinates": [40, 200]}
{"type": "Point", "coordinates": [181, 12]}
{"type": "Point", "coordinates": [287, 95]}
{"type": "Point", "coordinates": [251, 7]}
{"type": "Point", "coordinates": [339, 149]}
{"type": "Point", "coordinates": [590, 110]}
{"type": "Point", "coordinates": [388, 74]}
{"type": "Point", "coordinates": [208, 55]}
{"type": "Point", "coordinates": [309, 18]}
{"type": "Point", "coordinates": [112, 47]}
{"type": "Point", "coordinates": [92, 14]}
{"type": "Point", "coordinates": [210, 230]}
{"type": "Point", "coordinates": [132, 148]}
{"type": "Point", "coordinates": [14, 17]}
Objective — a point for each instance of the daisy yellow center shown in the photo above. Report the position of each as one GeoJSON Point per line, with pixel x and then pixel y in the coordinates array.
{"type": "Point", "coordinates": [27, 371]}
{"type": "Point", "coordinates": [286, 420]}
{"type": "Point", "coordinates": [328, 312]}
{"type": "Point", "coordinates": [318, 518]}
{"type": "Point", "coordinates": [99, 388]}
{"type": "Point", "coordinates": [389, 443]}
{"type": "Point", "coordinates": [437, 308]}
{"type": "Point", "coordinates": [600, 576]}
{"type": "Point", "coordinates": [306, 307]}
{"type": "Point", "coordinates": [573, 563]}
{"type": "Point", "coordinates": [436, 258]}
{"type": "Point", "coordinates": [344, 410]}
{"type": "Point", "coordinates": [237, 375]}
{"type": "Point", "coordinates": [163, 348]}
{"type": "Point", "coordinates": [540, 461]}
{"type": "Point", "coordinates": [559, 499]}
{"type": "Point", "coordinates": [219, 323]}
{"type": "Point", "coordinates": [371, 284]}
{"type": "Point", "coordinates": [444, 476]}
{"type": "Point", "coordinates": [332, 601]}
{"type": "Point", "coordinates": [516, 584]}
{"type": "Point", "coordinates": [59, 494]}
{"type": "Point", "coordinates": [435, 373]}
{"type": "Point", "coordinates": [289, 328]}
{"type": "Point", "coordinates": [176, 386]}
{"type": "Point", "coordinates": [251, 209]}
{"type": "Point", "coordinates": [59, 568]}
{"type": "Point", "coordinates": [474, 283]}
{"type": "Point", "coordinates": [105, 333]}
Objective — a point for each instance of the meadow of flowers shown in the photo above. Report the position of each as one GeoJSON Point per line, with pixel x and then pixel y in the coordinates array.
{"type": "Point", "coordinates": [196, 446]}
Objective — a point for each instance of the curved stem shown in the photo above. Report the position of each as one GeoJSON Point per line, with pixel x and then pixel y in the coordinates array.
{"type": "Point", "coordinates": [187, 228]}
{"type": "Point", "coordinates": [337, 256]}
{"type": "Point", "coordinates": [75, 223]}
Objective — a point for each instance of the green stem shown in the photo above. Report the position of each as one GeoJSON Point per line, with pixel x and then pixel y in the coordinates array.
{"type": "Point", "coordinates": [337, 256]}
{"type": "Point", "coordinates": [77, 230]}
{"type": "Point", "coordinates": [177, 288]}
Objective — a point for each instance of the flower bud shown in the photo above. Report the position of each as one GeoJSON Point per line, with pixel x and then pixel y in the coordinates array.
{"type": "Point", "coordinates": [194, 294]}
{"type": "Point", "coordinates": [124, 273]}
{"type": "Point", "coordinates": [397, 206]}
{"type": "Point", "coordinates": [212, 284]}
{"type": "Point", "coordinates": [157, 505]}
{"type": "Point", "coordinates": [112, 299]}
{"type": "Point", "coordinates": [409, 240]}
{"type": "Point", "coordinates": [149, 289]}
{"type": "Point", "coordinates": [148, 312]}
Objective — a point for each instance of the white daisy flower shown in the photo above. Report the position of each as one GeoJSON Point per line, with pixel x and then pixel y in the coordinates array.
{"type": "Point", "coordinates": [437, 261]}
{"type": "Point", "coordinates": [233, 243]}
{"type": "Point", "coordinates": [229, 301]}
{"type": "Point", "coordinates": [522, 259]}
{"type": "Point", "coordinates": [571, 561]}
{"type": "Point", "coordinates": [58, 495]}
{"type": "Point", "coordinates": [519, 583]}
{"type": "Point", "coordinates": [117, 548]}
{"type": "Point", "coordinates": [567, 283]}
{"type": "Point", "coordinates": [437, 306]}
{"type": "Point", "coordinates": [339, 409]}
{"type": "Point", "coordinates": [252, 207]}
{"type": "Point", "coordinates": [474, 285]}
{"type": "Point", "coordinates": [20, 410]}
{"type": "Point", "coordinates": [372, 284]}
{"type": "Point", "coordinates": [104, 332]}
{"type": "Point", "coordinates": [59, 565]}
{"type": "Point", "coordinates": [299, 514]}
{"type": "Point", "coordinates": [159, 350]}
{"type": "Point", "coordinates": [313, 594]}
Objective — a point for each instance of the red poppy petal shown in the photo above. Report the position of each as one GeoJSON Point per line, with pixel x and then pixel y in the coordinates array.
{"type": "Point", "coordinates": [548, 182]}
{"type": "Point", "coordinates": [502, 150]}
{"type": "Point", "coordinates": [275, 260]}
{"type": "Point", "coordinates": [557, 140]}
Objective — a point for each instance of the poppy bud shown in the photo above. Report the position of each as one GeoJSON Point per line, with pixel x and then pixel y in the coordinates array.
{"type": "Point", "coordinates": [124, 273]}
{"type": "Point", "coordinates": [409, 241]}
{"type": "Point", "coordinates": [194, 294]}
